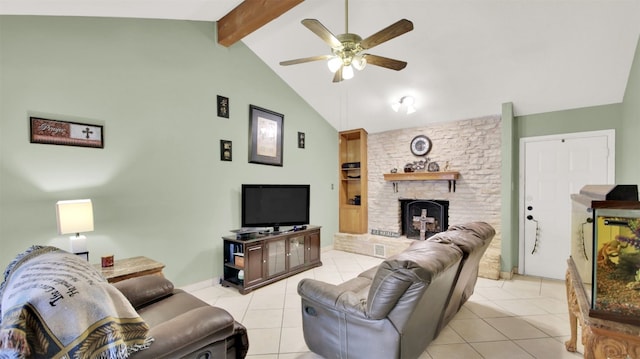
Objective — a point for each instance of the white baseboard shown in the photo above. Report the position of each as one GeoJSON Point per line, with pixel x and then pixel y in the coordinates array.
{"type": "Point", "coordinates": [201, 285]}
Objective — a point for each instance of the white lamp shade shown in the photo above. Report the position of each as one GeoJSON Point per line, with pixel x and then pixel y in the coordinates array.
{"type": "Point", "coordinates": [74, 216]}
{"type": "Point", "coordinates": [334, 63]}
{"type": "Point", "coordinates": [347, 72]}
{"type": "Point", "coordinates": [359, 62]}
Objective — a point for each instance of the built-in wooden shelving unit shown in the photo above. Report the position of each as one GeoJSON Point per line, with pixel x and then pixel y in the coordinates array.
{"type": "Point", "coordinates": [353, 203]}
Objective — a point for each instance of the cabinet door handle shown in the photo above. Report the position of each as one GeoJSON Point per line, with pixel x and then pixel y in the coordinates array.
{"type": "Point", "coordinates": [253, 249]}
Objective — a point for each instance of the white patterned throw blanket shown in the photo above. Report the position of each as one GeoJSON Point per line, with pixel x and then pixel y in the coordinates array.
{"type": "Point", "coordinates": [54, 304]}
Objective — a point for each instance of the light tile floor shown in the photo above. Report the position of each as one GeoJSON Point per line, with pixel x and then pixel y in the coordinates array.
{"type": "Point", "coordinates": [521, 318]}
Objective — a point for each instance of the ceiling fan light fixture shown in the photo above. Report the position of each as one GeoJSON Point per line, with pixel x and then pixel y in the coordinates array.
{"type": "Point", "coordinates": [359, 62]}
{"type": "Point", "coordinates": [347, 48]}
{"type": "Point", "coordinates": [347, 72]}
{"type": "Point", "coordinates": [334, 64]}
{"type": "Point", "coordinates": [405, 102]}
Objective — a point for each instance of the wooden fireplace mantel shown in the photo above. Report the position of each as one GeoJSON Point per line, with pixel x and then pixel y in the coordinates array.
{"type": "Point", "coordinates": [451, 177]}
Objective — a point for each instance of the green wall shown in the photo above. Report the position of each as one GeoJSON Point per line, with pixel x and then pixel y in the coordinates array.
{"type": "Point", "coordinates": [159, 188]}
{"type": "Point", "coordinates": [576, 120]}
{"type": "Point", "coordinates": [508, 189]}
{"type": "Point", "coordinates": [628, 170]}
{"type": "Point", "coordinates": [623, 117]}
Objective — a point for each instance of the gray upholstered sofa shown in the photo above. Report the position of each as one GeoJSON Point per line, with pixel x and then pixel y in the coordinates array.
{"type": "Point", "coordinates": [396, 309]}
{"type": "Point", "coordinates": [182, 325]}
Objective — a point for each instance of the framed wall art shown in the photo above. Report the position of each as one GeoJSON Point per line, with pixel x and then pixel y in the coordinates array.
{"type": "Point", "coordinates": [301, 140]}
{"type": "Point", "coordinates": [265, 136]}
{"type": "Point", "coordinates": [57, 132]}
{"type": "Point", "coordinates": [225, 150]}
{"type": "Point", "coordinates": [223, 106]}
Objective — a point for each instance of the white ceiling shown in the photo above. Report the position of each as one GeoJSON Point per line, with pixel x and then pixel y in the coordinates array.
{"type": "Point", "coordinates": [465, 58]}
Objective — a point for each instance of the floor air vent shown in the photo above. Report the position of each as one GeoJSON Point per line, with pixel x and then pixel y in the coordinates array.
{"type": "Point", "coordinates": [379, 250]}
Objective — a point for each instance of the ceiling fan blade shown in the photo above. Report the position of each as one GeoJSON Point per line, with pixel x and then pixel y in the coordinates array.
{"type": "Point", "coordinates": [385, 62]}
{"type": "Point", "coordinates": [386, 34]}
{"type": "Point", "coordinates": [319, 29]}
{"type": "Point", "coordinates": [338, 76]}
{"type": "Point", "coordinates": [305, 59]}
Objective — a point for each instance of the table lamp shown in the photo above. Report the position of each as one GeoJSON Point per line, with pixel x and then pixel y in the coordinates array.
{"type": "Point", "coordinates": [75, 216]}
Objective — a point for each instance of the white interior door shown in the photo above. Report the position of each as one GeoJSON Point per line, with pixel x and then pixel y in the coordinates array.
{"type": "Point", "coordinates": [552, 168]}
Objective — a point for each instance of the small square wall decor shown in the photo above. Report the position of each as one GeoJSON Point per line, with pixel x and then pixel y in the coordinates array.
{"type": "Point", "coordinates": [225, 150]}
{"type": "Point", "coordinates": [223, 106]}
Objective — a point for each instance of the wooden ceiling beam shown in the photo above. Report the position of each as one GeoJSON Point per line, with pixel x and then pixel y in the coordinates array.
{"type": "Point", "coordinates": [248, 17]}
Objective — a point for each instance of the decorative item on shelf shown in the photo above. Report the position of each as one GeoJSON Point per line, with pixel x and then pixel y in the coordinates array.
{"type": "Point", "coordinates": [350, 165]}
{"type": "Point", "coordinates": [107, 261]}
{"type": "Point", "coordinates": [75, 216]}
{"type": "Point", "coordinates": [433, 167]}
{"type": "Point", "coordinates": [394, 170]}
{"type": "Point", "coordinates": [408, 168]}
{"type": "Point", "coordinates": [420, 145]}
{"type": "Point", "coordinates": [446, 166]}
{"type": "Point", "coordinates": [356, 200]}
{"type": "Point", "coordinates": [238, 259]}
{"type": "Point", "coordinates": [416, 166]}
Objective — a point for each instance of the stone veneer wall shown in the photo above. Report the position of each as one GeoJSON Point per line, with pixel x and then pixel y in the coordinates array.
{"type": "Point", "coordinates": [472, 148]}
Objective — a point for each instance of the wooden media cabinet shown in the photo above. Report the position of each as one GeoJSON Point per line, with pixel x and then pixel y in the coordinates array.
{"type": "Point", "coordinates": [254, 263]}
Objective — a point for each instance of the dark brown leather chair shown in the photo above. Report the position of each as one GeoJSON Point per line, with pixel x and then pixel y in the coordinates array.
{"type": "Point", "coordinates": [182, 325]}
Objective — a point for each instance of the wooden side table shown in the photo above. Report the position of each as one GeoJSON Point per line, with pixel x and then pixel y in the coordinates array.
{"type": "Point", "coordinates": [602, 339]}
{"type": "Point", "coordinates": [129, 268]}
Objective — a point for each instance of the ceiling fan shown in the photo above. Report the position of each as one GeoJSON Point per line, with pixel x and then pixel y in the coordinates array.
{"type": "Point", "coordinates": [348, 49]}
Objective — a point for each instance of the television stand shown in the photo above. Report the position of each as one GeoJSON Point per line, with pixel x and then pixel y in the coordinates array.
{"type": "Point", "coordinates": [268, 259]}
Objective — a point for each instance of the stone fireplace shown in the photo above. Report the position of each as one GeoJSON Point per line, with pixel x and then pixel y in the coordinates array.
{"type": "Point", "coordinates": [470, 147]}
{"type": "Point", "coordinates": [436, 216]}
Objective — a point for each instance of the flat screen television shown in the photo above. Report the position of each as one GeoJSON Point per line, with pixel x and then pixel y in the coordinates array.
{"type": "Point", "coordinates": [275, 205]}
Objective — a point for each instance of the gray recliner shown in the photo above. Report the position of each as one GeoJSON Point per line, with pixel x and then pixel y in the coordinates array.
{"type": "Point", "coordinates": [473, 239]}
{"type": "Point", "coordinates": [393, 310]}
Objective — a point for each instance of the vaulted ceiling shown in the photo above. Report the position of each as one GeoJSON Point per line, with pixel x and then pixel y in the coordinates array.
{"type": "Point", "coordinates": [465, 58]}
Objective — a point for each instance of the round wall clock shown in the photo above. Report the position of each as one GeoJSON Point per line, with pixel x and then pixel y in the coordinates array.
{"type": "Point", "coordinates": [420, 145]}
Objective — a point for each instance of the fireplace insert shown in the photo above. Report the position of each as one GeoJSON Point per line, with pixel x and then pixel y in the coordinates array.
{"type": "Point", "coordinates": [436, 216]}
